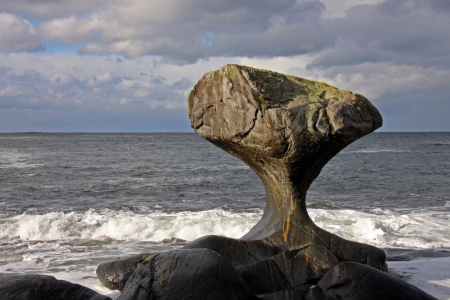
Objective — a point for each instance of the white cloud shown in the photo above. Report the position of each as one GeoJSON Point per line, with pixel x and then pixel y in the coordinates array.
{"type": "Point", "coordinates": [338, 9]}
{"type": "Point", "coordinates": [186, 31]}
{"type": "Point", "coordinates": [11, 91]}
{"type": "Point", "coordinates": [57, 83]}
{"type": "Point", "coordinates": [375, 80]}
{"type": "Point", "coordinates": [152, 52]}
{"type": "Point", "coordinates": [102, 79]}
{"type": "Point", "coordinates": [17, 34]}
{"type": "Point", "coordinates": [70, 30]}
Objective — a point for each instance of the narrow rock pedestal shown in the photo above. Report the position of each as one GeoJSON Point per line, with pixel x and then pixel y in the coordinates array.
{"type": "Point", "coordinates": [286, 129]}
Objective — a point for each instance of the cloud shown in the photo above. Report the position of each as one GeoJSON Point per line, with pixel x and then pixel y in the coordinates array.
{"type": "Point", "coordinates": [375, 80]}
{"type": "Point", "coordinates": [102, 79]}
{"type": "Point", "coordinates": [49, 9]}
{"type": "Point", "coordinates": [89, 99]}
{"type": "Point", "coordinates": [187, 31]}
{"type": "Point", "coordinates": [145, 55]}
{"type": "Point", "coordinates": [182, 31]}
{"type": "Point", "coordinates": [17, 34]}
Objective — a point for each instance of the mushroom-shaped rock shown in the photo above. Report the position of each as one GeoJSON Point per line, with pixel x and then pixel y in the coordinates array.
{"type": "Point", "coordinates": [286, 129]}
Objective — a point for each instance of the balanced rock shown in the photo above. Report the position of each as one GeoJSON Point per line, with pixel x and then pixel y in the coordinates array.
{"type": "Point", "coordinates": [286, 129]}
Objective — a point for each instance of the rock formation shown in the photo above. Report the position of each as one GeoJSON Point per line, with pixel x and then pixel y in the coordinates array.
{"type": "Point", "coordinates": [186, 274]}
{"type": "Point", "coordinates": [286, 129]}
{"type": "Point", "coordinates": [43, 287]}
{"type": "Point", "coordinates": [114, 275]}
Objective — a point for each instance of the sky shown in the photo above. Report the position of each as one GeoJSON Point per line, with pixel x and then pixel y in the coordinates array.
{"type": "Point", "coordinates": [128, 65]}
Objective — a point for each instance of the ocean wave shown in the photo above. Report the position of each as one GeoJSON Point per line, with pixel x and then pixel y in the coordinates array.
{"type": "Point", "coordinates": [376, 150]}
{"type": "Point", "coordinates": [126, 225]}
{"type": "Point", "coordinates": [380, 228]}
{"type": "Point", "coordinates": [16, 159]}
{"type": "Point", "coordinates": [387, 229]}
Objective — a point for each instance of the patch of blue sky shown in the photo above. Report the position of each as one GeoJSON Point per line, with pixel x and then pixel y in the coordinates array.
{"type": "Point", "coordinates": [35, 22]}
{"type": "Point", "coordinates": [53, 47]}
{"type": "Point", "coordinates": [208, 38]}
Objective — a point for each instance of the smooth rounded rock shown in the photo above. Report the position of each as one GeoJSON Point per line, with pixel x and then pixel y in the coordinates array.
{"type": "Point", "coordinates": [186, 274]}
{"type": "Point", "coordinates": [237, 252]}
{"type": "Point", "coordinates": [114, 274]}
{"type": "Point", "coordinates": [353, 281]}
{"type": "Point", "coordinates": [43, 287]}
{"type": "Point", "coordinates": [288, 270]}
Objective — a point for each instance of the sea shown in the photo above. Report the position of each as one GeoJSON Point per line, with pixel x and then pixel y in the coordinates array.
{"type": "Point", "coordinates": [71, 201]}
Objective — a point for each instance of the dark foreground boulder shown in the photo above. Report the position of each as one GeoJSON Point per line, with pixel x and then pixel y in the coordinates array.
{"type": "Point", "coordinates": [289, 270]}
{"type": "Point", "coordinates": [42, 287]}
{"type": "Point", "coordinates": [114, 274]}
{"type": "Point", "coordinates": [237, 252]}
{"type": "Point", "coordinates": [186, 274]}
{"type": "Point", "coordinates": [353, 281]}
{"type": "Point", "coordinates": [297, 294]}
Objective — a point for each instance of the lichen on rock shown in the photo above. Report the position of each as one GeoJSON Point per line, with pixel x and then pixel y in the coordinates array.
{"type": "Point", "coordinates": [286, 129]}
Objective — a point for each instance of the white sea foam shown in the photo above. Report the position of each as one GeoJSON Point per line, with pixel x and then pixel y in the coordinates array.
{"type": "Point", "coordinates": [126, 225]}
{"type": "Point", "coordinates": [15, 159]}
{"type": "Point", "coordinates": [376, 150]}
{"type": "Point", "coordinates": [381, 228]}
{"type": "Point", "coordinates": [431, 275]}
{"type": "Point", "coordinates": [387, 229]}
{"type": "Point", "coordinates": [70, 245]}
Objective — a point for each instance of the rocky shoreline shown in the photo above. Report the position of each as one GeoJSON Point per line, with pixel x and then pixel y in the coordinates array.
{"type": "Point", "coordinates": [286, 129]}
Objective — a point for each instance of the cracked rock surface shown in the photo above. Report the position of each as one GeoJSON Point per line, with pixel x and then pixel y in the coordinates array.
{"type": "Point", "coordinates": [286, 129]}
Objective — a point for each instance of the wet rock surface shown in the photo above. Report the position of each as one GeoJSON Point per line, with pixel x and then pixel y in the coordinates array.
{"type": "Point", "coordinates": [352, 281]}
{"type": "Point", "coordinates": [114, 274]}
{"type": "Point", "coordinates": [407, 255]}
{"type": "Point", "coordinates": [42, 287]}
{"type": "Point", "coordinates": [186, 274]}
{"type": "Point", "coordinates": [237, 252]}
{"type": "Point", "coordinates": [288, 270]}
